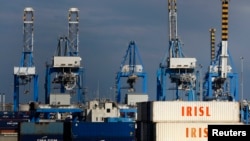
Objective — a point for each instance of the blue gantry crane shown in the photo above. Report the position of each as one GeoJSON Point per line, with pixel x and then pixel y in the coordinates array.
{"type": "Point", "coordinates": [132, 69]}
{"type": "Point", "coordinates": [25, 73]}
{"type": "Point", "coordinates": [65, 75]}
{"type": "Point", "coordinates": [180, 69]}
{"type": "Point", "coordinates": [64, 79]}
{"type": "Point", "coordinates": [221, 80]}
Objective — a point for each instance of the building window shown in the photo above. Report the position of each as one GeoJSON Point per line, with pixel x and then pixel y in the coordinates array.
{"type": "Point", "coordinates": [108, 110]}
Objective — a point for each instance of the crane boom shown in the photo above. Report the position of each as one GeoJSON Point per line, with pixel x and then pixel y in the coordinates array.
{"type": "Point", "coordinates": [221, 82]}
{"type": "Point", "coordinates": [224, 42]}
{"type": "Point", "coordinates": [212, 43]}
{"type": "Point", "coordinates": [172, 19]}
{"type": "Point", "coordinates": [73, 18]}
{"type": "Point", "coordinates": [180, 68]}
{"type": "Point", "coordinates": [25, 73]}
{"type": "Point", "coordinates": [28, 34]}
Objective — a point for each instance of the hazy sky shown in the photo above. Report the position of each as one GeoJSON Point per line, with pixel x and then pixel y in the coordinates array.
{"type": "Point", "coordinates": [107, 27]}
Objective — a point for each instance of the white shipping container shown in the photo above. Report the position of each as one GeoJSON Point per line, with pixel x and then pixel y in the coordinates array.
{"type": "Point", "coordinates": [133, 98]}
{"type": "Point", "coordinates": [163, 131]}
{"type": "Point", "coordinates": [59, 99]}
{"type": "Point", "coordinates": [189, 111]}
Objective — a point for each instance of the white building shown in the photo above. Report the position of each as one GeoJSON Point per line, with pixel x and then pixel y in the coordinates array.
{"type": "Point", "coordinates": [97, 110]}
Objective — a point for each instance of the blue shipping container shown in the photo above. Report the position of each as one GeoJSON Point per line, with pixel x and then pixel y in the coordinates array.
{"type": "Point", "coordinates": [10, 124]}
{"type": "Point", "coordinates": [104, 139]}
{"type": "Point", "coordinates": [103, 131]}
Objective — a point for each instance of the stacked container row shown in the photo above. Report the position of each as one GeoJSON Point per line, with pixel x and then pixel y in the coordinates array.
{"type": "Point", "coordinates": [77, 131]}
{"type": "Point", "coordinates": [183, 120]}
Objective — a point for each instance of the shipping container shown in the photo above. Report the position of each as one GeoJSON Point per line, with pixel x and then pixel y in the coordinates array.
{"type": "Point", "coordinates": [103, 131]}
{"type": "Point", "coordinates": [9, 129]}
{"type": "Point", "coordinates": [133, 98]}
{"type": "Point", "coordinates": [189, 111]}
{"type": "Point", "coordinates": [9, 137]}
{"type": "Point", "coordinates": [165, 131]}
{"type": "Point", "coordinates": [143, 111]}
{"type": "Point", "coordinates": [10, 124]}
{"type": "Point", "coordinates": [45, 137]}
{"type": "Point", "coordinates": [13, 115]}
{"type": "Point", "coordinates": [118, 119]}
{"type": "Point", "coordinates": [41, 131]}
{"type": "Point", "coordinates": [41, 128]}
{"type": "Point", "coordinates": [104, 139]}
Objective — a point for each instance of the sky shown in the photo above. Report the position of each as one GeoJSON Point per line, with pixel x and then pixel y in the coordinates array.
{"type": "Point", "coordinates": [107, 26]}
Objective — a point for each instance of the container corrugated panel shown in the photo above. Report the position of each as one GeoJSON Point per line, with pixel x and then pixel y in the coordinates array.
{"type": "Point", "coordinates": [41, 128]}
{"type": "Point", "coordinates": [98, 130]}
{"type": "Point", "coordinates": [143, 131]}
{"type": "Point", "coordinates": [176, 131]}
{"type": "Point", "coordinates": [143, 111]}
{"type": "Point", "coordinates": [189, 111]}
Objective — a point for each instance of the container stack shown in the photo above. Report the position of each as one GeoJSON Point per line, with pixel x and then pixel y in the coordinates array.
{"type": "Point", "coordinates": [183, 120]}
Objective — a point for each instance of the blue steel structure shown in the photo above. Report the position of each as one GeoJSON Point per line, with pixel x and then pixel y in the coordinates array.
{"type": "Point", "coordinates": [132, 70]}
{"type": "Point", "coordinates": [64, 77]}
{"type": "Point", "coordinates": [221, 80]}
{"type": "Point", "coordinates": [25, 73]}
{"type": "Point", "coordinates": [66, 70]}
{"type": "Point", "coordinates": [245, 112]}
{"type": "Point", "coordinates": [179, 68]}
